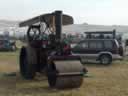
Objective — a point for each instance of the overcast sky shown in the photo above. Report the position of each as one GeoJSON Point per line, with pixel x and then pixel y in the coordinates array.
{"type": "Point", "coordinates": [107, 12]}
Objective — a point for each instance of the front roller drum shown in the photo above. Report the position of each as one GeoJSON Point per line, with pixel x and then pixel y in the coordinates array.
{"type": "Point", "coordinates": [67, 74]}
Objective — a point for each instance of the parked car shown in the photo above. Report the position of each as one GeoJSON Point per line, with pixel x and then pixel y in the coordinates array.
{"type": "Point", "coordinates": [103, 50]}
{"type": "Point", "coordinates": [7, 45]}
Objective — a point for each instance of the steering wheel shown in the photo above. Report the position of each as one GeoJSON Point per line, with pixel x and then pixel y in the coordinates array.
{"type": "Point", "coordinates": [33, 33]}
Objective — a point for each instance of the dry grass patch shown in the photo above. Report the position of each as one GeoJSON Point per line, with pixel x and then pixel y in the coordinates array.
{"type": "Point", "coordinates": [104, 81]}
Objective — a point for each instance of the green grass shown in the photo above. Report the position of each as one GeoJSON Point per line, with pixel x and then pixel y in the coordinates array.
{"type": "Point", "coordinates": [104, 81]}
{"type": "Point", "coordinates": [9, 61]}
{"type": "Point", "coordinates": [9, 55]}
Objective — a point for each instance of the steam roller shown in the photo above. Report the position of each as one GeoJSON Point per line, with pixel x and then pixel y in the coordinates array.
{"type": "Point", "coordinates": [46, 52]}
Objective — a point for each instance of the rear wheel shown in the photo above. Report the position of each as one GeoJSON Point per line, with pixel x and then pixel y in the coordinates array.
{"type": "Point", "coordinates": [27, 66]}
{"type": "Point", "coordinates": [105, 59]}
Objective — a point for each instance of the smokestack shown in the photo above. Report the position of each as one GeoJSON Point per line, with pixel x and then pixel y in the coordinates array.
{"type": "Point", "coordinates": [58, 24]}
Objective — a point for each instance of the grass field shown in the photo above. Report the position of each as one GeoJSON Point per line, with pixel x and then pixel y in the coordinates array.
{"type": "Point", "coordinates": [9, 61]}
{"type": "Point", "coordinates": [102, 81]}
